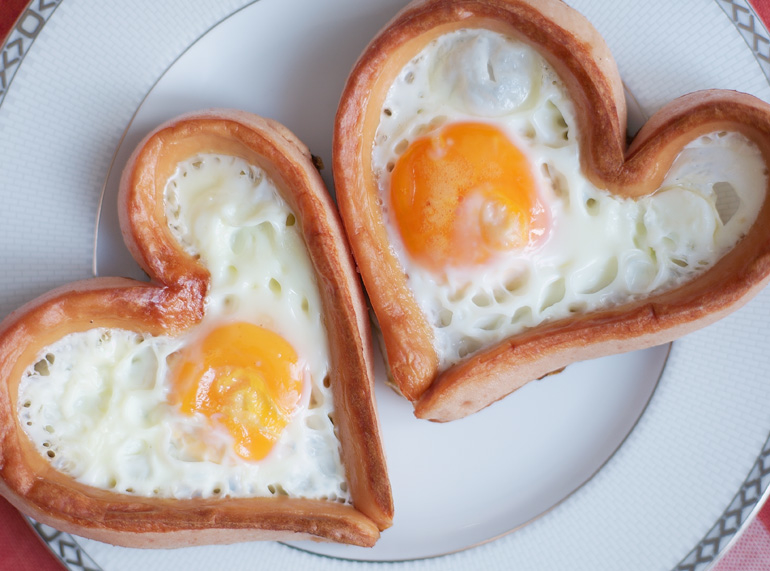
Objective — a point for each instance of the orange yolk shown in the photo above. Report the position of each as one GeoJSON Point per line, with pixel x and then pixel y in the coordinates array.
{"type": "Point", "coordinates": [244, 377]}
{"type": "Point", "coordinates": [464, 194]}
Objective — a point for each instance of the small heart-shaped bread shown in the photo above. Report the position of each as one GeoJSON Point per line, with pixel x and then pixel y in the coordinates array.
{"type": "Point", "coordinates": [229, 400]}
{"type": "Point", "coordinates": [500, 224]}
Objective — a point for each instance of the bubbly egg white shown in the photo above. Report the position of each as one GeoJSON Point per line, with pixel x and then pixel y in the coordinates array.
{"type": "Point", "coordinates": [96, 403]}
{"type": "Point", "coordinates": [602, 250]}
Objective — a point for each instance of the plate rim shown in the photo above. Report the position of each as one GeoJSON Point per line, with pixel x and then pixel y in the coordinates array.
{"type": "Point", "coordinates": [715, 543]}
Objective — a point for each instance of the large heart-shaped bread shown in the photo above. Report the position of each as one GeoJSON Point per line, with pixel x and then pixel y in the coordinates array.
{"type": "Point", "coordinates": [502, 227]}
{"type": "Point", "coordinates": [256, 186]}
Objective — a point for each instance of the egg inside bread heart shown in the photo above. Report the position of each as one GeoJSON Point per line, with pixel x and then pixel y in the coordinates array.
{"type": "Point", "coordinates": [230, 399]}
{"type": "Point", "coordinates": [501, 226]}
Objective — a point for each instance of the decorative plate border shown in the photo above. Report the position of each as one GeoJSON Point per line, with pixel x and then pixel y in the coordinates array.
{"type": "Point", "coordinates": [750, 26]}
{"type": "Point", "coordinates": [755, 488]}
{"type": "Point", "coordinates": [740, 510]}
{"type": "Point", "coordinates": [65, 547]}
{"type": "Point", "coordinates": [20, 39]}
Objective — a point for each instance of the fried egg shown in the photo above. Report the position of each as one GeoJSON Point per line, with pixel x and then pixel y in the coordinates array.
{"type": "Point", "coordinates": [487, 209]}
{"type": "Point", "coordinates": [238, 406]}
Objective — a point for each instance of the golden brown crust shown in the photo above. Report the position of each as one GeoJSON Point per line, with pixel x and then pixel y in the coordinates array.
{"type": "Point", "coordinates": [170, 305]}
{"type": "Point", "coordinates": [584, 63]}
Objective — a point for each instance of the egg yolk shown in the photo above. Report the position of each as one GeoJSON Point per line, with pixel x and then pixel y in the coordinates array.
{"type": "Point", "coordinates": [463, 194]}
{"type": "Point", "coordinates": [243, 377]}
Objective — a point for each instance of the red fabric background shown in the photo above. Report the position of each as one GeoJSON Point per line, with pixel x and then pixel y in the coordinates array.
{"type": "Point", "coordinates": [22, 550]}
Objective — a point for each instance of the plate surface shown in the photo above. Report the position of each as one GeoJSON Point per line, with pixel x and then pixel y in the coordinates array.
{"type": "Point", "coordinates": [95, 80]}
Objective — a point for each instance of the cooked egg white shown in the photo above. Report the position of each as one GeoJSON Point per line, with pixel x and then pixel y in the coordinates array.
{"type": "Point", "coordinates": [528, 240]}
{"type": "Point", "coordinates": [115, 409]}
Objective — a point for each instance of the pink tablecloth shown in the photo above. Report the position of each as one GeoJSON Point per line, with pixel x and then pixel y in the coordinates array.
{"type": "Point", "coordinates": [22, 550]}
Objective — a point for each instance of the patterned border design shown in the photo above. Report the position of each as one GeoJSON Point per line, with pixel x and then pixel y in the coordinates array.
{"type": "Point", "coordinates": [751, 28]}
{"type": "Point", "coordinates": [64, 546]}
{"type": "Point", "coordinates": [757, 484]}
{"type": "Point", "coordinates": [21, 38]}
{"type": "Point", "coordinates": [737, 513]}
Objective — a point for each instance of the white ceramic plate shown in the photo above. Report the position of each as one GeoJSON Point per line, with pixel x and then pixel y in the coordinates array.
{"type": "Point", "coordinates": [89, 80]}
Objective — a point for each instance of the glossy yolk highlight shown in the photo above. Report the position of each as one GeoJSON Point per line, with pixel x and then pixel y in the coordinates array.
{"type": "Point", "coordinates": [464, 194]}
{"type": "Point", "coordinates": [244, 377]}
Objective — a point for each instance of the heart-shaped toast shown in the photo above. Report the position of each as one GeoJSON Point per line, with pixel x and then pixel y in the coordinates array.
{"type": "Point", "coordinates": [500, 224]}
{"type": "Point", "coordinates": [229, 400]}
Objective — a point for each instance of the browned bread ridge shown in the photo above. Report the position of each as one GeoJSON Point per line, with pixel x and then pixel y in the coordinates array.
{"type": "Point", "coordinates": [582, 59]}
{"type": "Point", "coordinates": [171, 304]}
